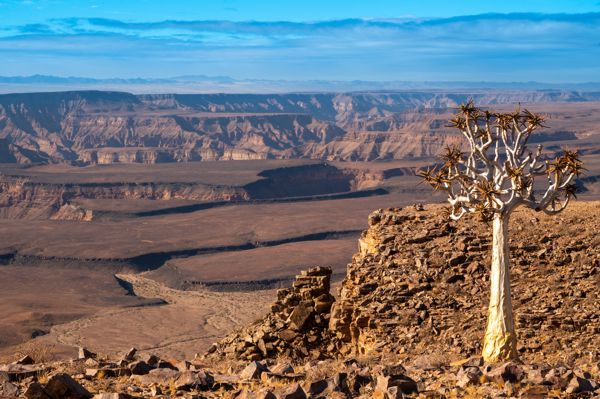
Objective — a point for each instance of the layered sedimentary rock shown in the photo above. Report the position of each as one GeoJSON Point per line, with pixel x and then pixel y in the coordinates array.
{"type": "Point", "coordinates": [34, 198]}
{"type": "Point", "coordinates": [109, 127]}
{"type": "Point", "coordinates": [21, 198]}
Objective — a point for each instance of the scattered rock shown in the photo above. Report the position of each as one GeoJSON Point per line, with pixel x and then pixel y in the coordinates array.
{"type": "Point", "coordinates": [139, 367]}
{"type": "Point", "coordinates": [196, 380]}
{"type": "Point", "coordinates": [36, 391]}
{"type": "Point", "coordinates": [468, 376]}
{"type": "Point", "coordinates": [578, 384]}
{"type": "Point", "coordinates": [394, 386]}
{"type": "Point", "coordinates": [160, 376]}
{"type": "Point", "coordinates": [296, 327]}
{"type": "Point", "coordinates": [507, 372]}
{"type": "Point", "coordinates": [65, 387]}
{"type": "Point", "coordinates": [25, 360]}
{"type": "Point", "coordinates": [150, 359]}
{"type": "Point", "coordinates": [85, 354]}
{"type": "Point", "coordinates": [8, 389]}
{"type": "Point", "coordinates": [292, 392]}
{"type": "Point", "coordinates": [282, 368]}
{"type": "Point", "coordinates": [300, 315]}
{"type": "Point", "coordinates": [112, 396]}
{"type": "Point", "coordinates": [253, 371]}
{"type": "Point", "coordinates": [130, 354]}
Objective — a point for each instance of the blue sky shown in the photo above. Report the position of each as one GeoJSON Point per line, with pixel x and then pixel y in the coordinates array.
{"type": "Point", "coordinates": [550, 40]}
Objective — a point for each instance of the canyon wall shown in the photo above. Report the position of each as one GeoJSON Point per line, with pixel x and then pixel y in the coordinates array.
{"type": "Point", "coordinates": [91, 127]}
{"type": "Point", "coordinates": [24, 198]}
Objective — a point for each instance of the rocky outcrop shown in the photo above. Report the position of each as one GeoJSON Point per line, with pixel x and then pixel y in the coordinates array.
{"type": "Point", "coordinates": [73, 213]}
{"type": "Point", "coordinates": [296, 327]}
{"type": "Point", "coordinates": [418, 288]}
{"type": "Point", "coordinates": [419, 285]}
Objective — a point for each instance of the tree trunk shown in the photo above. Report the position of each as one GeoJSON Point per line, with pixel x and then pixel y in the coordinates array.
{"type": "Point", "coordinates": [500, 341]}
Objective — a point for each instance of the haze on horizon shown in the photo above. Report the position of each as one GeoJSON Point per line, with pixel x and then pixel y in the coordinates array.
{"type": "Point", "coordinates": [379, 40]}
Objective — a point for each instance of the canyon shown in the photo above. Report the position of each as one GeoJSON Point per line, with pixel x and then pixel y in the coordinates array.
{"type": "Point", "coordinates": [166, 222]}
{"type": "Point", "coordinates": [95, 127]}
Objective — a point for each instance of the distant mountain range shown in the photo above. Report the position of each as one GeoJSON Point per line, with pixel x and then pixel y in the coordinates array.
{"type": "Point", "coordinates": [87, 127]}
{"type": "Point", "coordinates": [225, 84]}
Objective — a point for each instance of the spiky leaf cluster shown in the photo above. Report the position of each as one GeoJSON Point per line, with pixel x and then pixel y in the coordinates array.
{"type": "Point", "coordinates": [495, 171]}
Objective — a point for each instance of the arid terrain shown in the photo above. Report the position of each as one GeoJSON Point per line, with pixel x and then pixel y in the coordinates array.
{"type": "Point", "coordinates": [165, 222]}
{"type": "Point", "coordinates": [312, 213]}
{"type": "Point", "coordinates": [407, 322]}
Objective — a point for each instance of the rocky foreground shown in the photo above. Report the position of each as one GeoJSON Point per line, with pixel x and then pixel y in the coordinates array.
{"type": "Point", "coordinates": [408, 322]}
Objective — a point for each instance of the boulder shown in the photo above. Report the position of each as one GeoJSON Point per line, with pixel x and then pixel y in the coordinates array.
{"type": "Point", "coordinates": [36, 391]}
{"type": "Point", "coordinates": [292, 392]}
{"type": "Point", "coordinates": [336, 384]}
{"type": "Point", "coordinates": [253, 371]}
{"type": "Point", "coordinates": [262, 394]}
{"type": "Point", "coordinates": [151, 359]}
{"type": "Point", "coordinates": [140, 367]}
{"type": "Point", "coordinates": [274, 378]}
{"type": "Point", "coordinates": [395, 386]}
{"type": "Point", "coordinates": [25, 360]}
{"type": "Point", "coordinates": [162, 364]}
{"type": "Point", "coordinates": [130, 354]}
{"type": "Point", "coordinates": [468, 376]}
{"type": "Point", "coordinates": [85, 354]}
{"type": "Point", "coordinates": [64, 387]}
{"type": "Point", "coordinates": [158, 376]}
{"type": "Point", "coordinates": [578, 384]}
{"type": "Point", "coordinates": [457, 258]}
{"type": "Point", "coordinates": [559, 377]}
{"type": "Point", "coordinates": [300, 315]}
{"type": "Point", "coordinates": [507, 372]}
{"type": "Point", "coordinates": [192, 379]}
{"type": "Point", "coordinates": [8, 389]}
{"type": "Point", "coordinates": [265, 394]}
{"type": "Point", "coordinates": [535, 392]}
{"type": "Point", "coordinates": [20, 372]}
{"type": "Point", "coordinates": [316, 387]}
{"type": "Point", "coordinates": [92, 363]}
{"type": "Point", "coordinates": [184, 365]}
{"type": "Point", "coordinates": [107, 372]}
{"type": "Point", "coordinates": [323, 303]}
{"type": "Point", "coordinates": [282, 368]}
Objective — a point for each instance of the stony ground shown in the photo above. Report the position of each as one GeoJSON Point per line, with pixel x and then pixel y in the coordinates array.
{"type": "Point", "coordinates": [407, 323]}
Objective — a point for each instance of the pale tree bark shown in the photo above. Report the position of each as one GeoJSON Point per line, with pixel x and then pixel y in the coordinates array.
{"type": "Point", "coordinates": [500, 341]}
{"type": "Point", "coordinates": [494, 177]}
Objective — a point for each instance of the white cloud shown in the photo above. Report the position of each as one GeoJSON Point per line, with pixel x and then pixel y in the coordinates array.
{"type": "Point", "coordinates": [559, 47]}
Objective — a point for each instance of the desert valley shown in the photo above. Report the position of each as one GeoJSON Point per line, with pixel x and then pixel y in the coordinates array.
{"type": "Point", "coordinates": [168, 222]}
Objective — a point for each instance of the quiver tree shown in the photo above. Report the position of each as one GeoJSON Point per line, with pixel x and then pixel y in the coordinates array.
{"type": "Point", "coordinates": [494, 176]}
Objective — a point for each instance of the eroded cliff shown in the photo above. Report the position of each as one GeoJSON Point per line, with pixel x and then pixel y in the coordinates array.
{"type": "Point", "coordinates": [108, 127]}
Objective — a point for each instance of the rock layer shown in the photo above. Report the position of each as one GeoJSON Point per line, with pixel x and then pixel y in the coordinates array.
{"type": "Point", "coordinates": [91, 127]}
